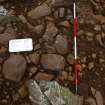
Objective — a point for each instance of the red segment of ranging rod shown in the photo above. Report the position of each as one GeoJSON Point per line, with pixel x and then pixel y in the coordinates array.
{"type": "Point", "coordinates": [76, 71]}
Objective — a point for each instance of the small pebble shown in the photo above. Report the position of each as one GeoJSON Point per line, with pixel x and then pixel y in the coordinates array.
{"type": "Point", "coordinates": [94, 56]}
{"type": "Point", "coordinates": [23, 91]}
{"type": "Point", "coordinates": [101, 60]}
{"type": "Point", "coordinates": [15, 97]}
{"type": "Point", "coordinates": [89, 34]}
{"type": "Point", "coordinates": [97, 28]}
{"type": "Point", "coordinates": [90, 65]}
{"type": "Point", "coordinates": [79, 67]}
{"type": "Point", "coordinates": [63, 76]}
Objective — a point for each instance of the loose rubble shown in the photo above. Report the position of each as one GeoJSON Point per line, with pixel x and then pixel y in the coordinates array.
{"type": "Point", "coordinates": [50, 25]}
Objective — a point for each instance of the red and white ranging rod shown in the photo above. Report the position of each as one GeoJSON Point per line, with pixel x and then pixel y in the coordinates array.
{"type": "Point", "coordinates": [75, 50]}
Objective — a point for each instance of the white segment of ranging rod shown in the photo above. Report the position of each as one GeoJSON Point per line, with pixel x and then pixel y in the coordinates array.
{"type": "Point", "coordinates": [20, 45]}
{"type": "Point", "coordinates": [74, 11]}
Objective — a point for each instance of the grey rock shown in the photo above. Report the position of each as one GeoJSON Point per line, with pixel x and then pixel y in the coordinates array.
{"type": "Point", "coordinates": [3, 11]}
{"type": "Point", "coordinates": [53, 62]}
{"type": "Point", "coordinates": [35, 93]}
{"type": "Point", "coordinates": [51, 93]}
{"type": "Point", "coordinates": [40, 11]}
{"type": "Point", "coordinates": [14, 68]}
{"type": "Point", "coordinates": [61, 44]}
{"type": "Point", "coordinates": [61, 12]}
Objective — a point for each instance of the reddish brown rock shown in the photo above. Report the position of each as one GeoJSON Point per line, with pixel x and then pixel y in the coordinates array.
{"type": "Point", "coordinates": [53, 62]}
{"type": "Point", "coordinates": [44, 76]}
{"type": "Point", "coordinates": [7, 35]}
{"type": "Point", "coordinates": [32, 70]}
{"type": "Point", "coordinates": [14, 68]}
{"type": "Point", "coordinates": [34, 58]}
{"type": "Point", "coordinates": [40, 11]}
{"type": "Point", "coordinates": [70, 59]}
{"type": "Point", "coordinates": [61, 44]}
{"type": "Point", "coordinates": [63, 76]}
{"type": "Point", "coordinates": [51, 32]}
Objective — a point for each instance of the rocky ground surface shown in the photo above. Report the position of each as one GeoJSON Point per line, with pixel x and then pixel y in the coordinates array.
{"type": "Point", "coordinates": [50, 24]}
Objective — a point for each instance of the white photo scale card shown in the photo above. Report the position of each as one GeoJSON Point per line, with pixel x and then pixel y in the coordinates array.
{"type": "Point", "coordinates": [20, 45]}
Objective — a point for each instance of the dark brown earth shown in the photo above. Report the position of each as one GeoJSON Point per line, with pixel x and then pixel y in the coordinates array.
{"type": "Point", "coordinates": [50, 24]}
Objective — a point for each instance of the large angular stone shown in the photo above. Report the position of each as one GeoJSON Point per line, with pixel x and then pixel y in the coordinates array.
{"type": "Point", "coordinates": [53, 62]}
{"type": "Point", "coordinates": [14, 68]}
{"type": "Point", "coordinates": [47, 91]}
{"type": "Point", "coordinates": [40, 11]}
